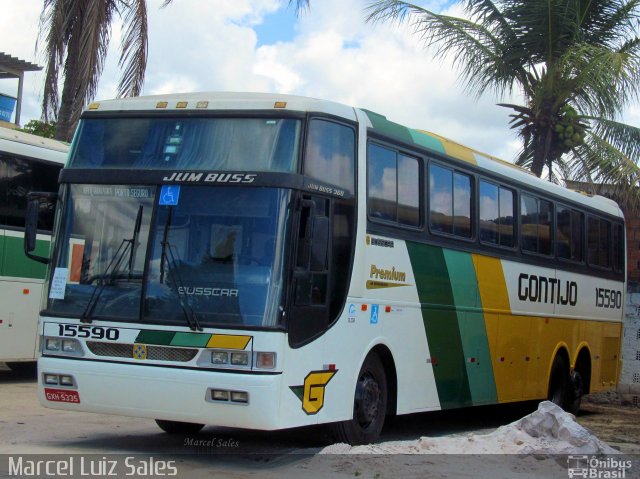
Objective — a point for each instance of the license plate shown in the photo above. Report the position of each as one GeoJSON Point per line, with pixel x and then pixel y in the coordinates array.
{"type": "Point", "coordinates": [61, 395]}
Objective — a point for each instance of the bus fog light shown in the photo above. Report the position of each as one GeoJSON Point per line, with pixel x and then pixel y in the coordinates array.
{"type": "Point", "coordinates": [239, 396]}
{"type": "Point", "coordinates": [52, 344]}
{"type": "Point", "coordinates": [219, 357]}
{"type": "Point", "coordinates": [66, 381]}
{"type": "Point", "coordinates": [219, 395]}
{"type": "Point", "coordinates": [51, 379]}
{"type": "Point", "coordinates": [240, 359]}
{"type": "Point", "coordinates": [70, 346]}
{"type": "Point", "coordinates": [265, 360]}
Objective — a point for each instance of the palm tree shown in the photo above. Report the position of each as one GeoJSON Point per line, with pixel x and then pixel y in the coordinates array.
{"type": "Point", "coordinates": [576, 63]}
{"type": "Point", "coordinates": [76, 36]}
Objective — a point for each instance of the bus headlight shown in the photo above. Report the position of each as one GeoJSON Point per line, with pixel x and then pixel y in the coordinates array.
{"type": "Point", "coordinates": [62, 347]}
{"type": "Point", "coordinates": [52, 344]}
{"type": "Point", "coordinates": [71, 346]}
{"type": "Point", "coordinates": [219, 357]}
{"type": "Point", "coordinates": [240, 359]}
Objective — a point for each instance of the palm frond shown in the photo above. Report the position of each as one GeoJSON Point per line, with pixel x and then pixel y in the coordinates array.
{"type": "Point", "coordinates": [480, 56]}
{"type": "Point", "coordinates": [605, 22]}
{"type": "Point", "coordinates": [133, 52]}
{"type": "Point", "coordinates": [94, 33]}
{"type": "Point", "coordinates": [53, 32]}
{"type": "Point", "coordinates": [621, 136]}
{"type": "Point", "coordinates": [602, 81]}
{"type": "Point", "coordinates": [602, 164]}
{"type": "Point", "coordinates": [301, 5]}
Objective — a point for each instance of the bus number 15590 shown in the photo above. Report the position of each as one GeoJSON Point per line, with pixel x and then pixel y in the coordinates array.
{"type": "Point", "coordinates": [608, 298]}
{"type": "Point", "coordinates": [86, 331]}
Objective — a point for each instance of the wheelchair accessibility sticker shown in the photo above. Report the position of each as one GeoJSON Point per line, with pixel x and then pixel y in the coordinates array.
{"type": "Point", "coordinates": [375, 311]}
{"type": "Point", "coordinates": [169, 195]}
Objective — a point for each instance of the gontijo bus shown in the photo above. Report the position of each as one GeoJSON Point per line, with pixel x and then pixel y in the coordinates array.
{"type": "Point", "coordinates": [268, 261]}
{"type": "Point", "coordinates": [27, 163]}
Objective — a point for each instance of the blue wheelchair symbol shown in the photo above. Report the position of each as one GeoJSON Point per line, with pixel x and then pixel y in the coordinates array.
{"type": "Point", "coordinates": [374, 313]}
{"type": "Point", "coordinates": [169, 195]}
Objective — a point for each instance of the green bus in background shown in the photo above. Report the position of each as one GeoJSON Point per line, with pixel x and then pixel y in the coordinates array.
{"type": "Point", "coordinates": [27, 163]}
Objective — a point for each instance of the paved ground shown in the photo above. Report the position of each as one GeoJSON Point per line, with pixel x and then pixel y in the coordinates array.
{"type": "Point", "coordinates": [28, 428]}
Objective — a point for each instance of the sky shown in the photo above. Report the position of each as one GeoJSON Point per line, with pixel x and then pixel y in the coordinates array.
{"type": "Point", "coordinates": [327, 52]}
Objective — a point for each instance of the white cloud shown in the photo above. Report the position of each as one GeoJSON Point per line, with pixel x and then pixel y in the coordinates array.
{"type": "Point", "coordinates": [200, 45]}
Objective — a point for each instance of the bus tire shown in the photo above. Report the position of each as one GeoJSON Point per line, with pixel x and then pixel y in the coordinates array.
{"type": "Point", "coordinates": [558, 382]}
{"type": "Point", "coordinates": [369, 405]}
{"type": "Point", "coordinates": [177, 427]}
{"type": "Point", "coordinates": [575, 393]}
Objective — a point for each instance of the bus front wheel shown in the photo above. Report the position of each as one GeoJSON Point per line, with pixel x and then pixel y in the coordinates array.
{"type": "Point", "coordinates": [176, 427]}
{"type": "Point", "coordinates": [369, 405]}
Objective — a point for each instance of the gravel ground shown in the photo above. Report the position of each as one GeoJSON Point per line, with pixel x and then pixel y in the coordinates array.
{"type": "Point", "coordinates": [28, 428]}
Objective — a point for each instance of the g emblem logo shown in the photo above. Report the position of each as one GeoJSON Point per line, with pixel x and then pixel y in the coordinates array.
{"type": "Point", "coordinates": [311, 393]}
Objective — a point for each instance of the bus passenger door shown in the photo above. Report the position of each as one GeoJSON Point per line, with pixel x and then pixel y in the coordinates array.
{"type": "Point", "coordinates": [309, 310]}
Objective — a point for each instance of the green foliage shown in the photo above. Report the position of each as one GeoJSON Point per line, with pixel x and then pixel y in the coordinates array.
{"type": "Point", "coordinates": [40, 128]}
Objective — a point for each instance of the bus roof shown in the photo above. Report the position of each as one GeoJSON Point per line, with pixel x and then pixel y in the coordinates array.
{"type": "Point", "coordinates": [32, 146]}
{"type": "Point", "coordinates": [270, 101]}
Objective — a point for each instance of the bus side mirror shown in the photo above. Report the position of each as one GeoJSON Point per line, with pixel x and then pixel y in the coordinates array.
{"type": "Point", "coordinates": [31, 225]}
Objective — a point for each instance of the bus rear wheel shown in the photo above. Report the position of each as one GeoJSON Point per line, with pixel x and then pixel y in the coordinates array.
{"type": "Point", "coordinates": [575, 393]}
{"type": "Point", "coordinates": [177, 427]}
{"type": "Point", "coordinates": [558, 382]}
{"type": "Point", "coordinates": [369, 405]}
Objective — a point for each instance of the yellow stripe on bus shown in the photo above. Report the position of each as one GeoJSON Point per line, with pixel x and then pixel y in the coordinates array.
{"type": "Point", "coordinates": [228, 341]}
{"type": "Point", "coordinates": [454, 149]}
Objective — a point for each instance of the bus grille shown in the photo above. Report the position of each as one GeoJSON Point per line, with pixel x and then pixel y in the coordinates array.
{"type": "Point", "coordinates": [155, 353]}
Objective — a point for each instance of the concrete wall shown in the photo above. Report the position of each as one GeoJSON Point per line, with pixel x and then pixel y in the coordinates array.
{"type": "Point", "coordinates": [629, 383]}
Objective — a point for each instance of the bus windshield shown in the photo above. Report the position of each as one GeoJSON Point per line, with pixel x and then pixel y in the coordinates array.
{"type": "Point", "coordinates": [231, 144]}
{"type": "Point", "coordinates": [208, 257]}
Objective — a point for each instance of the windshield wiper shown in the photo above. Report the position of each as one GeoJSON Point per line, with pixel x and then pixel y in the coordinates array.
{"type": "Point", "coordinates": [173, 270]}
{"type": "Point", "coordinates": [112, 269]}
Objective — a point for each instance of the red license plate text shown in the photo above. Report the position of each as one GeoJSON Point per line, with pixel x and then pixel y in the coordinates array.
{"type": "Point", "coordinates": [61, 395]}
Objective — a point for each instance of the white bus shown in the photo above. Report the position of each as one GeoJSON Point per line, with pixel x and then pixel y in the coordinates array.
{"type": "Point", "coordinates": [267, 261]}
{"type": "Point", "coordinates": [27, 163]}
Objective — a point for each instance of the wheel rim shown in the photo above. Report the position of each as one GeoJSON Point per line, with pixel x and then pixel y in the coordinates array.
{"type": "Point", "coordinates": [368, 400]}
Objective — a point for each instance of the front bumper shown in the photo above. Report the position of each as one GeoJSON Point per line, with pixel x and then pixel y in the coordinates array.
{"type": "Point", "coordinates": [175, 394]}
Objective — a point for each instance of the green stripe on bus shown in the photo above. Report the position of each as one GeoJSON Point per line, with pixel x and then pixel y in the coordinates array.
{"type": "Point", "coordinates": [190, 339]}
{"type": "Point", "coordinates": [389, 128]}
{"type": "Point", "coordinates": [162, 338]}
{"type": "Point", "coordinates": [473, 332]}
{"type": "Point", "coordinates": [441, 324]}
{"type": "Point", "coordinates": [16, 264]}
{"type": "Point", "coordinates": [427, 141]}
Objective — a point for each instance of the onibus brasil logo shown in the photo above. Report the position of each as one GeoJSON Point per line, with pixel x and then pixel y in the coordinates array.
{"type": "Point", "coordinates": [594, 467]}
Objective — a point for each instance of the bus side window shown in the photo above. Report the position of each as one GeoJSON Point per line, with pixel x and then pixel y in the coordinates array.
{"type": "Point", "coordinates": [570, 227]}
{"type": "Point", "coordinates": [535, 224]}
{"type": "Point", "coordinates": [393, 186]}
{"type": "Point", "coordinates": [618, 248]}
{"type": "Point", "coordinates": [22, 177]}
{"type": "Point", "coordinates": [330, 153]}
{"type": "Point", "coordinates": [599, 234]}
{"type": "Point", "coordinates": [450, 201]}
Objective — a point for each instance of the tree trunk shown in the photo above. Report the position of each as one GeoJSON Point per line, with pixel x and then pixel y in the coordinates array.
{"type": "Point", "coordinates": [67, 119]}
